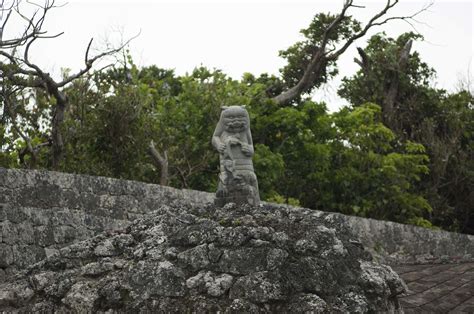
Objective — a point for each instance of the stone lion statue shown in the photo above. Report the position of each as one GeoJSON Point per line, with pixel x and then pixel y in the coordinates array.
{"type": "Point", "coordinates": [233, 140]}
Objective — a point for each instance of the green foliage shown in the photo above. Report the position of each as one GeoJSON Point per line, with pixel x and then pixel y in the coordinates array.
{"type": "Point", "coordinates": [298, 56]}
{"type": "Point", "coordinates": [278, 199]}
{"type": "Point", "coordinates": [383, 57]}
{"type": "Point", "coordinates": [421, 222]}
{"type": "Point", "coordinates": [8, 156]}
{"type": "Point", "coordinates": [21, 120]}
{"type": "Point", "coordinates": [153, 105]}
{"type": "Point", "coordinates": [439, 121]}
{"type": "Point", "coordinates": [347, 162]}
{"type": "Point", "coordinates": [270, 168]}
{"type": "Point", "coordinates": [371, 175]}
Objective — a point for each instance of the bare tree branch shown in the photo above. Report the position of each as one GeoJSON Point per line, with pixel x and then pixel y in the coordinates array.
{"type": "Point", "coordinates": [26, 73]}
{"type": "Point", "coordinates": [322, 55]}
{"type": "Point", "coordinates": [336, 22]}
{"type": "Point", "coordinates": [364, 61]}
{"type": "Point", "coordinates": [33, 23]}
{"type": "Point", "coordinates": [369, 25]}
{"type": "Point", "coordinates": [6, 20]}
{"type": "Point", "coordinates": [89, 62]}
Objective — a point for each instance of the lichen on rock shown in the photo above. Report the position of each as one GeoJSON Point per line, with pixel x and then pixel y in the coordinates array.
{"type": "Point", "coordinates": [183, 258]}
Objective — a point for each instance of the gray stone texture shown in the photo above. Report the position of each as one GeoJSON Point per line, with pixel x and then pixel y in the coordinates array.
{"type": "Point", "coordinates": [41, 212]}
{"type": "Point", "coordinates": [203, 258]}
{"type": "Point", "coordinates": [393, 243]}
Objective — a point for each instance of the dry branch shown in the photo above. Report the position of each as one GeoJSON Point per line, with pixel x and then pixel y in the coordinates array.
{"type": "Point", "coordinates": [322, 56]}
{"type": "Point", "coordinates": [21, 71]}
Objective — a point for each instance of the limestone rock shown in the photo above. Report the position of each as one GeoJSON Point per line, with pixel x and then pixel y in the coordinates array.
{"type": "Point", "coordinates": [183, 258]}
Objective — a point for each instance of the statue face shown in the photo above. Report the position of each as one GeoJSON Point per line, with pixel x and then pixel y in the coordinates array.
{"type": "Point", "coordinates": [235, 119]}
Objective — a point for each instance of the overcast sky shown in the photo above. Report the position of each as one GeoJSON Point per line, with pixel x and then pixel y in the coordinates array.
{"type": "Point", "coordinates": [243, 36]}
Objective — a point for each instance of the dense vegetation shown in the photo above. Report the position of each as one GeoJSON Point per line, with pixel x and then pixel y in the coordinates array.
{"type": "Point", "coordinates": [402, 151]}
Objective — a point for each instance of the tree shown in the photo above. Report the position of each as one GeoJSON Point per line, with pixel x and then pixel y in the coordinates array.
{"type": "Point", "coordinates": [396, 78]}
{"type": "Point", "coordinates": [347, 162]}
{"type": "Point", "coordinates": [312, 61]}
{"type": "Point", "coordinates": [374, 174]}
{"type": "Point", "coordinates": [123, 116]}
{"type": "Point", "coordinates": [19, 71]}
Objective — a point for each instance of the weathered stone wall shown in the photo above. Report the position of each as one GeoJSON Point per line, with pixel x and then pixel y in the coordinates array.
{"type": "Point", "coordinates": [394, 243]}
{"type": "Point", "coordinates": [231, 259]}
{"type": "Point", "coordinates": [41, 211]}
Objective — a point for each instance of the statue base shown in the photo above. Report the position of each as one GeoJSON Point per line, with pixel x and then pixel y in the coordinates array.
{"type": "Point", "coordinates": [239, 187]}
{"type": "Point", "coordinates": [220, 201]}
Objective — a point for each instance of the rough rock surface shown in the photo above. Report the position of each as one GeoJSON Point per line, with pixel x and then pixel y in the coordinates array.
{"type": "Point", "coordinates": [202, 258]}
{"type": "Point", "coordinates": [44, 211]}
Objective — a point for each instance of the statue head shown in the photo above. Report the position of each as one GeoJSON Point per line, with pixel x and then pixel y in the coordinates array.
{"type": "Point", "coordinates": [235, 119]}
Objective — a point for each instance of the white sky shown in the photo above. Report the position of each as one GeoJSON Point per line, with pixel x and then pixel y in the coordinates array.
{"type": "Point", "coordinates": [243, 36]}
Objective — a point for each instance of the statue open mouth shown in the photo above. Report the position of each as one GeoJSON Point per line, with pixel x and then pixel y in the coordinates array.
{"type": "Point", "coordinates": [237, 126]}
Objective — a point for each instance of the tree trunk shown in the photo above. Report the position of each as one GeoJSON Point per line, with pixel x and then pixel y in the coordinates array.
{"type": "Point", "coordinates": [161, 161]}
{"type": "Point", "coordinates": [313, 71]}
{"type": "Point", "coordinates": [57, 144]}
{"type": "Point", "coordinates": [391, 93]}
